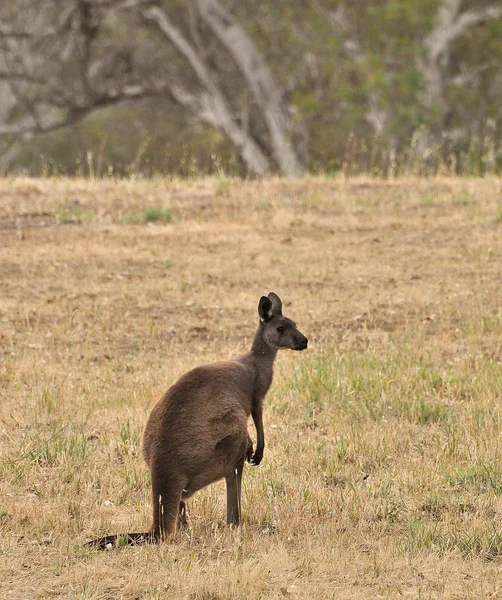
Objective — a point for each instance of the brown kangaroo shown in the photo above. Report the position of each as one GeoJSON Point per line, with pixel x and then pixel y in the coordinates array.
{"type": "Point", "coordinates": [197, 432]}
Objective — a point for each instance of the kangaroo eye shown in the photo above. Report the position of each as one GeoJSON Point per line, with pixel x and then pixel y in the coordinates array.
{"type": "Point", "coordinates": [281, 329]}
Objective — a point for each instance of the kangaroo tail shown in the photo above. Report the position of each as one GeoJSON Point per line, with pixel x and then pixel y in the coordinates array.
{"type": "Point", "coordinates": [121, 539]}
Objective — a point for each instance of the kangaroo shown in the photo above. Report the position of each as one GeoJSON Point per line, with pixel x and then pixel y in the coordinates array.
{"type": "Point", "coordinates": [197, 432]}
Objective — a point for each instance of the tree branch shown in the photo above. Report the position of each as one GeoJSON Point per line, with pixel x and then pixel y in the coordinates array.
{"type": "Point", "coordinates": [8, 76]}
{"type": "Point", "coordinates": [259, 78]}
{"type": "Point", "coordinates": [9, 32]}
{"type": "Point", "coordinates": [211, 105]}
{"type": "Point", "coordinates": [450, 26]}
{"type": "Point", "coordinates": [74, 113]}
{"type": "Point", "coordinates": [60, 71]}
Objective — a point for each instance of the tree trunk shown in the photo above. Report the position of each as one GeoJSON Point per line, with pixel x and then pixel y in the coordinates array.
{"type": "Point", "coordinates": [450, 25]}
{"type": "Point", "coordinates": [211, 105]}
{"type": "Point", "coordinates": [260, 80]}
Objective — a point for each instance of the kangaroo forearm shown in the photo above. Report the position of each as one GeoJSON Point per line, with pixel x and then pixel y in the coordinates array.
{"type": "Point", "coordinates": [257, 415]}
{"type": "Point", "coordinates": [260, 436]}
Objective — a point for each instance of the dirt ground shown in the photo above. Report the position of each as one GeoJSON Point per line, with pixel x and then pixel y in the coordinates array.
{"type": "Point", "coordinates": [381, 476]}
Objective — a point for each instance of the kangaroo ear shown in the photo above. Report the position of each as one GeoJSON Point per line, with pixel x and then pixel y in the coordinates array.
{"type": "Point", "coordinates": [276, 303]}
{"type": "Point", "coordinates": [265, 310]}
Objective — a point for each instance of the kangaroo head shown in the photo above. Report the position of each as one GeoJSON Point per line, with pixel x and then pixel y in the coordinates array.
{"type": "Point", "coordinates": [279, 331]}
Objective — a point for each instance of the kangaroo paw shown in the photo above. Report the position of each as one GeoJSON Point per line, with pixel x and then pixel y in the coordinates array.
{"type": "Point", "coordinates": [256, 458]}
{"type": "Point", "coordinates": [249, 452]}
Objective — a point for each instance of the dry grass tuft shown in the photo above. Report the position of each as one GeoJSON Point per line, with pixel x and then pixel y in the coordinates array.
{"type": "Point", "coordinates": [382, 475]}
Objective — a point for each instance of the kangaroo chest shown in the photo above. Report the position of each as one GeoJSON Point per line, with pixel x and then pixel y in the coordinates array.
{"type": "Point", "coordinates": [262, 382]}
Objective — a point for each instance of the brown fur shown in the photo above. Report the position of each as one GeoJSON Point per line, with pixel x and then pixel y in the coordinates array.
{"type": "Point", "coordinates": [197, 432]}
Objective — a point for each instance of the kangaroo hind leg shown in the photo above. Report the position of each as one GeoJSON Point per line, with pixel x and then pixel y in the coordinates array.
{"type": "Point", "coordinates": [167, 506]}
{"type": "Point", "coordinates": [233, 482]}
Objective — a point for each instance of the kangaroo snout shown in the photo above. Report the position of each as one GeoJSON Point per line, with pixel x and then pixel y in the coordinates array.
{"type": "Point", "coordinates": [301, 344]}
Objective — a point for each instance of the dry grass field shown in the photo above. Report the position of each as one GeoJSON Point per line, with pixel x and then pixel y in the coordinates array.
{"type": "Point", "coordinates": [382, 474]}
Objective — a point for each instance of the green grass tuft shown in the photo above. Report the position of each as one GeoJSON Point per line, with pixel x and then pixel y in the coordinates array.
{"type": "Point", "coordinates": [155, 215]}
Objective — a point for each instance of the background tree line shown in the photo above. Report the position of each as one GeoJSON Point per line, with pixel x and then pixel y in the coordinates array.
{"type": "Point", "coordinates": [201, 86]}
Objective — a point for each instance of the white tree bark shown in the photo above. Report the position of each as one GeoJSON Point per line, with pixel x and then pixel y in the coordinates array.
{"type": "Point", "coordinates": [266, 91]}
{"type": "Point", "coordinates": [450, 25]}
{"type": "Point", "coordinates": [50, 104]}
{"type": "Point", "coordinates": [209, 105]}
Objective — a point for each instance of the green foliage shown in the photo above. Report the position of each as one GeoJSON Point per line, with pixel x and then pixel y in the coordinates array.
{"type": "Point", "coordinates": [341, 68]}
{"type": "Point", "coordinates": [307, 103]}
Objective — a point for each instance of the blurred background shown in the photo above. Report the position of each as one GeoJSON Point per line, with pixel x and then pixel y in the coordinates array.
{"type": "Point", "coordinates": [193, 87]}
